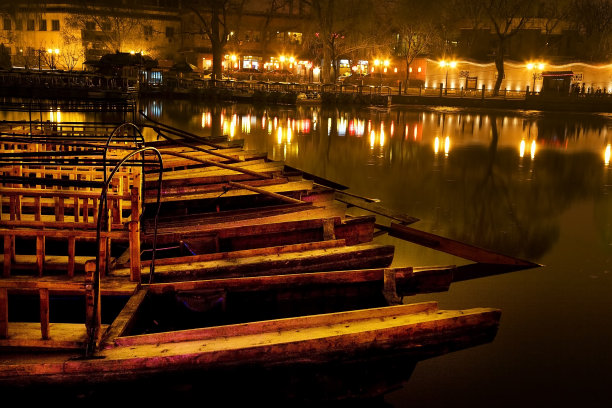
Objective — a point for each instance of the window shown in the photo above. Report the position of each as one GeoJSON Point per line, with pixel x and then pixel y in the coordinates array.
{"type": "Point", "coordinates": [42, 25]}
{"type": "Point", "coordinates": [169, 32]}
{"type": "Point", "coordinates": [31, 25]}
{"type": "Point", "coordinates": [106, 26]}
{"type": "Point", "coordinates": [18, 25]}
{"type": "Point", "coordinates": [55, 26]}
{"type": "Point", "coordinates": [7, 23]}
{"type": "Point", "coordinates": [295, 38]}
{"type": "Point", "coordinates": [147, 30]}
{"type": "Point", "coordinates": [90, 25]}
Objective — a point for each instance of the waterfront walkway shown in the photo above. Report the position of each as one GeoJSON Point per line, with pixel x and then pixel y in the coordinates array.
{"type": "Point", "coordinates": [69, 87]}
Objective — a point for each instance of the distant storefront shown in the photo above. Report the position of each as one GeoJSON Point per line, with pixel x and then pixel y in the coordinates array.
{"type": "Point", "coordinates": [518, 76]}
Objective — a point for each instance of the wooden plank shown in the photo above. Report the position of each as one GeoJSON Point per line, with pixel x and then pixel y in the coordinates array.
{"type": "Point", "coordinates": [284, 282]}
{"type": "Point", "coordinates": [272, 191]}
{"type": "Point", "coordinates": [8, 239]}
{"type": "Point", "coordinates": [66, 336]}
{"type": "Point", "coordinates": [328, 229]}
{"type": "Point", "coordinates": [43, 294]}
{"type": "Point", "coordinates": [124, 321]}
{"type": "Point", "coordinates": [264, 192]}
{"type": "Point", "coordinates": [373, 207]}
{"type": "Point", "coordinates": [456, 248]}
{"type": "Point", "coordinates": [40, 253]}
{"type": "Point", "coordinates": [3, 313]}
{"type": "Point", "coordinates": [290, 324]}
{"type": "Point", "coordinates": [338, 258]}
{"type": "Point", "coordinates": [276, 250]}
{"type": "Point", "coordinates": [71, 255]}
{"type": "Point", "coordinates": [134, 245]}
{"type": "Point", "coordinates": [84, 235]}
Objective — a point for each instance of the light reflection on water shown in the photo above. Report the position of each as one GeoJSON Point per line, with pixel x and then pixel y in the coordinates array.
{"type": "Point", "coordinates": [494, 179]}
{"type": "Point", "coordinates": [529, 184]}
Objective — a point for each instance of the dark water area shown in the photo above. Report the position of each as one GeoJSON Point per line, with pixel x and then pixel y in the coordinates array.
{"type": "Point", "coordinates": [533, 185]}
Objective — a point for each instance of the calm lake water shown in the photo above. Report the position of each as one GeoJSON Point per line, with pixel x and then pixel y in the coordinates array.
{"type": "Point", "coordinates": [534, 185]}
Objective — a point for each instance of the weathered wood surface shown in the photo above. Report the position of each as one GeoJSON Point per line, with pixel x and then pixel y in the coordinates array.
{"type": "Point", "coordinates": [234, 189]}
{"type": "Point", "coordinates": [126, 318]}
{"type": "Point", "coordinates": [62, 336]}
{"type": "Point", "coordinates": [300, 340]}
{"type": "Point", "coordinates": [335, 258]}
{"type": "Point", "coordinates": [371, 206]}
{"type": "Point", "coordinates": [454, 247]}
{"type": "Point", "coordinates": [228, 227]}
{"type": "Point", "coordinates": [65, 285]}
{"type": "Point", "coordinates": [409, 281]}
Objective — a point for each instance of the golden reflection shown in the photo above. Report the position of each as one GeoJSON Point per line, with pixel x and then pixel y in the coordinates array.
{"type": "Point", "coordinates": [206, 119]}
{"type": "Point", "coordinates": [246, 124]}
{"type": "Point", "coordinates": [55, 115]}
{"type": "Point", "coordinates": [382, 136]}
{"type": "Point", "coordinates": [522, 148]}
{"type": "Point", "coordinates": [446, 145]}
{"type": "Point", "coordinates": [436, 145]}
{"type": "Point", "coordinates": [607, 155]}
{"type": "Point", "coordinates": [372, 139]}
{"type": "Point", "coordinates": [533, 148]}
{"type": "Point", "coordinates": [289, 134]}
{"type": "Point", "coordinates": [279, 135]}
{"type": "Point", "coordinates": [341, 126]}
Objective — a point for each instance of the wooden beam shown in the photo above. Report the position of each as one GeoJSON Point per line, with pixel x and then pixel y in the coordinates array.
{"type": "Point", "coordinates": [126, 317]}
{"type": "Point", "coordinates": [294, 324]}
{"type": "Point", "coordinates": [289, 281]}
{"type": "Point", "coordinates": [3, 313]}
{"type": "Point", "coordinates": [456, 248]}
{"type": "Point", "coordinates": [373, 207]}
{"type": "Point", "coordinates": [43, 294]}
{"type": "Point", "coordinates": [264, 192]}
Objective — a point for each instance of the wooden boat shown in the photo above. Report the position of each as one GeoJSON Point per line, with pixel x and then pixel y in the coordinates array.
{"type": "Point", "coordinates": [297, 340]}
{"type": "Point", "coordinates": [276, 274]}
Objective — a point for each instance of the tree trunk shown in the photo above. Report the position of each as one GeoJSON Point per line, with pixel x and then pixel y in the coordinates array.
{"type": "Point", "coordinates": [216, 40]}
{"type": "Point", "coordinates": [217, 67]}
{"type": "Point", "coordinates": [407, 81]}
{"type": "Point", "coordinates": [499, 64]}
{"type": "Point", "coordinates": [326, 65]}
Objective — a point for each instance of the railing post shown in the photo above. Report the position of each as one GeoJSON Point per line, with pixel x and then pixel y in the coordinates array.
{"type": "Point", "coordinates": [92, 306]}
{"type": "Point", "coordinates": [3, 313]}
{"type": "Point", "coordinates": [43, 294]}
{"type": "Point", "coordinates": [135, 236]}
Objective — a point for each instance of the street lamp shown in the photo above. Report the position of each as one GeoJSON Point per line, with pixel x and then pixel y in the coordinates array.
{"type": "Point", "coordinates": [53, 51]}
{"type": "Point", "coordinates": [535, 68]}
{"type": "Point", "coordinates": [447, 64]}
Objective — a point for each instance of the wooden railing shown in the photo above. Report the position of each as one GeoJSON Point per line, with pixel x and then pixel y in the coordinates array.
{"type": "Point", "coordinates": [69, 216]}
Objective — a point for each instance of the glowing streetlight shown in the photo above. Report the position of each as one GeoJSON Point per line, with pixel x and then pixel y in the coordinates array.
{"type": "Point", "coordinates": [447, 65]}
{"type": "Point", "coordinates": [536, 69]}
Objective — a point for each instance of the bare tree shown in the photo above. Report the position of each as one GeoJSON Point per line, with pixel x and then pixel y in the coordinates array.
{"type": "Point", "coordinates": [593, 19]}
{"type": "Point", "coordinates": [343, 28]}
{"type": "Point", "coordinates": [507, 17]}
{"type": "Point", "coordinates": [217, 19]}
{"type": "Point", "coordinates": [113, 23]}
{"type": "Point", "coordinates": [416, 23]}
